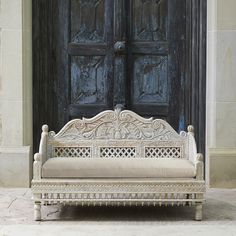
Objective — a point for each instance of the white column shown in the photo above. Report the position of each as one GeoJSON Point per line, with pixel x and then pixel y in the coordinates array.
{"type": "Point", "coordinates": [16, 92]}
{"type": "Point", "coordinates": [221, 96]}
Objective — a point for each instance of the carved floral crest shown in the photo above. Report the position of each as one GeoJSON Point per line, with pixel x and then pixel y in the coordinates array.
{"type": "Point", "coordinates": [117, 124]}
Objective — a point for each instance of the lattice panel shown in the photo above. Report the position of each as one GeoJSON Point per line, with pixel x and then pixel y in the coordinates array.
{"type": "Point", "coordinates": [72, 152]}
{"type": "Point", "coordinates": [113, 152]}
{"type": "Point", "coordinates": [163, 152]}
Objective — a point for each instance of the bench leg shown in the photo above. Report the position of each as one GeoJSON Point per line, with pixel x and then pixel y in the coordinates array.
{"type": "Point", "coordinates": [198, 211]}
{"type": "Point", "coordinates": [37, 211]}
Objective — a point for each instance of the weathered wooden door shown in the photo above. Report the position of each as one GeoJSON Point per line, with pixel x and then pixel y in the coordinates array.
{"type": "Point", "coordinates": [90, 55]}
{"type": "Point", "coordinates": [156, 33]}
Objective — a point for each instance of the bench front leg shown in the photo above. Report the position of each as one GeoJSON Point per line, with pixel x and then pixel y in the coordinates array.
{"type": "Point", "coordinates": [37, 211]}
{"type": "Point", "coordinates": [37, 207]}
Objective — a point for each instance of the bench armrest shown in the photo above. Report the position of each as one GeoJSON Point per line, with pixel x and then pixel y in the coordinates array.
{"type": "Point", "coordinates": [199, 165]}
{"type": "Point", "coordinates": [43, 143]}
{"type": "Point", "coordinates": [41, 156]}
{"type": "Point", "coordinates": [196, 158]}
{"type": "Point", "coordinates": [37, 166]}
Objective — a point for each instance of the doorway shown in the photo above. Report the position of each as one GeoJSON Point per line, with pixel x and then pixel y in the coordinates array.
{"type": "Point", "coordinates": [148, 55]}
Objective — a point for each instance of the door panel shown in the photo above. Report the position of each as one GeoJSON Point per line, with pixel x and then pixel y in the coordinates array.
{"type": "Point", "coordinates": [88, 80]}
{"type": "Point", "coordinates": [150, 80]}
{"type": "Point", "coordinates": [91, 57]}
{"type": "Point", "coordinates": [92, 74]}
{"type": "Point", "coordinates": [149, 20]}
{"type": "Point", "coordinates": [87, 21]}
{"type": "Point", "coordinates": [156, 34]}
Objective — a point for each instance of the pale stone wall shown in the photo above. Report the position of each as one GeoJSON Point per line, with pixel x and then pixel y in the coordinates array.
{"type": "Point", "coordinates": [0, 73]}
{"type": "Point", "coordinates": [16, 92]}
{"type": "Point", "coordinates": [221, 95]}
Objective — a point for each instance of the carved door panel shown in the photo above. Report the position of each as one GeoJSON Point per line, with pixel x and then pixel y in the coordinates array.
{"type": "Point", "coordinates": [156, 54]}
{"type": "Point", "coordinates": [90, 49]}
{"type": "Point", "coordinates": [129, 52]}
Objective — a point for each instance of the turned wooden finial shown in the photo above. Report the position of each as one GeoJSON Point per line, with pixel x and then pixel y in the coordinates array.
{"type": "Point", "coordinates": [199, 157]}
{"type": "Point", "coordinates": [190, 129]}
{"type": "Point", "coordinates": [37, 157]}
{"type": "Point", "coordinates": [119, 107]}
{"type": "Point", "coordinates": [45, 128]}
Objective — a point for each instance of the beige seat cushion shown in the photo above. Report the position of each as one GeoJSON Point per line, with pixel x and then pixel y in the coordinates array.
{"type": "Point", "coordinates": [64, 167]}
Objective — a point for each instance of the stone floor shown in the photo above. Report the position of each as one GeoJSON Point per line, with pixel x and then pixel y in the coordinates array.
{"type": "Point", "coordinates": [16, 217]}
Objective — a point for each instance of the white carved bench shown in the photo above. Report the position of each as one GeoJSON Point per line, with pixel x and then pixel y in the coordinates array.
{"type": "Point", "coordinates": [118, 158]}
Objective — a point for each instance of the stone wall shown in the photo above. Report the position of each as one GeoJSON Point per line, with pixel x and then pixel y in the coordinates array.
{"type": "Point", "coordinates": [16, 92]}
{"type": "Point", "coordinates": [221, 95]}
{"type": "Point", "coordinates": [0, 73]}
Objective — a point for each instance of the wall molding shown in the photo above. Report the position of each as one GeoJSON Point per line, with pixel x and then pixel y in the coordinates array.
{"type": "Point", "coordinates": [197, 70]}
{"type": "Point", "coordinates": [222, 166]}
{"type": "Point", "coordinates": [15, 166]}
{"type": "Point", "coordinates": [223, 152]}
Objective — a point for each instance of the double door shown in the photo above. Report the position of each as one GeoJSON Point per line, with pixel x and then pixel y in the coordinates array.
{"type": "Point", "coordinates": [125, 52]}
{"type": "Point", "coordinates": [90, 55]}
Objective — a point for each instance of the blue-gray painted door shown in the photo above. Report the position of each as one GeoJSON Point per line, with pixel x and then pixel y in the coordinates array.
{"type": "Point", "coordinates": [128, 52]}
{"type": "Point", "coordinates": [90, 55]}
{"type": "Point", "coordinates": [156, 31]}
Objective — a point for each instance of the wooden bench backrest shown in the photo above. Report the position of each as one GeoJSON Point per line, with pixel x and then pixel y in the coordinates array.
{"type": "Point", "coordinates": [118, 134]}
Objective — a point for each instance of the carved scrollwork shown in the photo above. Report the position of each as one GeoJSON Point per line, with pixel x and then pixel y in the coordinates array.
{"type": "Point", "coordinates": [51, 134]}
{"type": "Point", "coordinates": [117, 124]}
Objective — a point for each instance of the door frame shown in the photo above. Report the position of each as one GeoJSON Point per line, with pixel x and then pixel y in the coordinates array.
{"type": "Point", "coordinates": [195, 90]}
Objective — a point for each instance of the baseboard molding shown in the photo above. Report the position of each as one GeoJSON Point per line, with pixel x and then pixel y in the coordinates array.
{"type": "Point", "coordinates": [15, 166]}
{"type": "Point", "coordinates": [222, 167]}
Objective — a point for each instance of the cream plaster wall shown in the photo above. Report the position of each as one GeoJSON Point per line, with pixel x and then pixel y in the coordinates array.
{"type": "Point", "coordinates": [16, 92]}
{"type": "Point", "coordinates": [0, 74]}
{"type": "Point", "coordinates": [221, 95]}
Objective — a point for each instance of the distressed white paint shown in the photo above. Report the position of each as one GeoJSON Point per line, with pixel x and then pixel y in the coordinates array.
{"type": "Point", "coordinates": [109, 130]}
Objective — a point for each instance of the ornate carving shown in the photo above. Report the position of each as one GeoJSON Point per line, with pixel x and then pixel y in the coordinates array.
{"type": "Point", "coordinates": [118, 125]}
{"type": "Point", "coordinates": [150, 80]}
{"type": "Point", "coordinates": [163, 152]}
{"type": "Point", "coordinates": [84, 152]}
{"type": "Point", "coordinates": [86, 29]}
{"type": "Point", "coordinates": [117, 152]}
{"type": "Point", "coordinates": [113, 187]}
{"type": "Point", "coordinates": [149, 20]}
{"type": "Point", "coordinates": [118, 134]}
{"type": "Point", "coordinates": [88, 79]}
{"type": "Point", "coordinates": [117, 196]}
{"type": "Point", "coordinates": [51, 134]}
{"type": "Point", "coordinates": [120, 193]}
